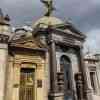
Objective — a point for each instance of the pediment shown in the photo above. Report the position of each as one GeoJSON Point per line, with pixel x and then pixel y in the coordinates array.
{"type": "Point", "coordinates": [68, 33]}
{"type": "Point", "coordinates": [27, 43]}
{"type": "Point", "coordinates": [70, 28]}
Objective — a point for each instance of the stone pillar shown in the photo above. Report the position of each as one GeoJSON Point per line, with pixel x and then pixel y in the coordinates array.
{"type": "Point", "coordinates": [53, 67]}
{"type": "Point", "coordinates": [4, 38]}
{"type": "Point", "coordinates": [3, 65]}
{"type": "Point", "coordinates": [53, 95]}
{"type": "Point", "coordinates": [87, 89]}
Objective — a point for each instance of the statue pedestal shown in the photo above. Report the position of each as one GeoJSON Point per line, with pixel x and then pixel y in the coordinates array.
{"type": "Point", "coordinates": [3, 63]}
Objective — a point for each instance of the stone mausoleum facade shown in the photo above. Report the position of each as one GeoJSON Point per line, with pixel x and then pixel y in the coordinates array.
{"type": "Point", "coordinates": [92, 66]}
{"type": "Point", "coordinates": [42, 63]}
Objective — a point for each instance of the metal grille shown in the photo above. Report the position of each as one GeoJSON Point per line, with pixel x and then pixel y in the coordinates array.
{"type": "Point", "coordinates": [26, 84]}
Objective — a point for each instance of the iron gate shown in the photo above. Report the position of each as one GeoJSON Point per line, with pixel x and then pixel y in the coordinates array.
{"type": "Point", "coordinates": [26, 84]}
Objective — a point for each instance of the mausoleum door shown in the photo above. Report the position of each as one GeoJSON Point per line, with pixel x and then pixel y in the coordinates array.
{"type": "Point", "coordinates": [66, 70]}
{"type": "Point", "coordinates": [26, 84]}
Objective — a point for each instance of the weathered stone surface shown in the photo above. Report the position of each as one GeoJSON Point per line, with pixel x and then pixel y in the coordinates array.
{"type": "Point", "coordinates": [3, 65]}
{"type": "Point", "coordinates": [35, 61]}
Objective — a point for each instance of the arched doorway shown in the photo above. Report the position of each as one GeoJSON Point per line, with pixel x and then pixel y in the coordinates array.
{"type": "Point", "coordinates": [65, 68]}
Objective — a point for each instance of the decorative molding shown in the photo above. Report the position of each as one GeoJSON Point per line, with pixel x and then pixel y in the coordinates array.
{"type": "Point", "coordinates": [27, 43]}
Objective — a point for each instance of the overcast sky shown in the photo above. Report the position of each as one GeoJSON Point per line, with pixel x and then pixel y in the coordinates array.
{"type": "Point", "coordinates": [85, 14]}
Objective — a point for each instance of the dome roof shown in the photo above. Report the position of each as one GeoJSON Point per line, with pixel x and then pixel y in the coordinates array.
{"type": "Point", "coordinates": [45, 21]}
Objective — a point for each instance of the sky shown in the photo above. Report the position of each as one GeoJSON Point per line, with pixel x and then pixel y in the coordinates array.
{"type": "Point", "coordinates": [85, 15]}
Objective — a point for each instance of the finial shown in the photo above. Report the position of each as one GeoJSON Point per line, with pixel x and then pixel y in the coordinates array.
{"type": "Point", "coordinates": [4, 19]}
{"type": "Point", "coordinates": [49, 6]}
{"type": "Point", "coordinates": [7, 18]}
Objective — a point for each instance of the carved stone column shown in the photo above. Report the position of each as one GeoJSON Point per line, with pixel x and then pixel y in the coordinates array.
{"type": "Point", "coordinates": [4, 38]}
{"type": "Point", "coordinates": [87, 89]}
{"type": "Point", "coordinates": [3, 66]}
{"type": "Point", "coordinates": [53, 67]}
{"type": "Point", "coordinates": [53, 95]}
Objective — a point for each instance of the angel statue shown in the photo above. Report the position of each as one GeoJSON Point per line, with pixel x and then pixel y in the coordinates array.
{"type": "Point", "coordinates": [49, 6]}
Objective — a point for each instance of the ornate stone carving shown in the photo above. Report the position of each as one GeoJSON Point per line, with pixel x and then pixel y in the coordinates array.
{"type": "Point", "coordinates": [4, 20]}
{"type": "Point", "coordinates": [49, 6]}
{"type": "Point", "coordinates": [4, 27]}
{"type": "Point", "coordinates": [4, 38]}
{"type": "Point", "coordinates": [27, 43]}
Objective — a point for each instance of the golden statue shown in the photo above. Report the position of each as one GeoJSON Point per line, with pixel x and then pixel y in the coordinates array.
{"type": "Point", "coordinates": [49, 6]}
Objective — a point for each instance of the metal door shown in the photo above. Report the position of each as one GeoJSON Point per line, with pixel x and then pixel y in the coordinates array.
{"type": "Point", "coordinates": [26, 84]}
